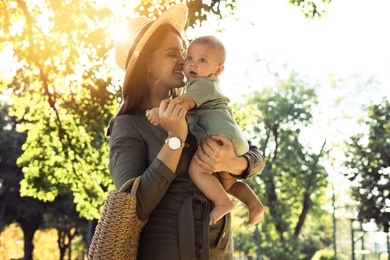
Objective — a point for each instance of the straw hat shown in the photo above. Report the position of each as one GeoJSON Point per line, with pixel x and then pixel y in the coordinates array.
{"type": "Point", "coordinates": [138, 33]}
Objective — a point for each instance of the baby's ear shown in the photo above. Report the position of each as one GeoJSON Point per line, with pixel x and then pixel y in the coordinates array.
{"type": "Point", "coordinates": [220, 69]}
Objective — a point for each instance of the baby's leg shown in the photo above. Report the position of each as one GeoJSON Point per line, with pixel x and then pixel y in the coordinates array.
{"type": "Point", "coordinates": [212, 189]}
{"type": "Point", "coordinates": [152, 115]}
{"type": "Point", "coordinates": [245, 194]}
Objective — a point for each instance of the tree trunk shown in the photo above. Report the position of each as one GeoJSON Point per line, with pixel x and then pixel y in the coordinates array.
{"type": "Point", "coordinates": [257, 237]}
{"type": "Point", "coordinates": [271, 189]}
{"type": "Point", "coordinates": [70, 238]}
{"type": "Point", "coordinates": [61, 244]}
{"type": "Point", "coordinates": [273, 204]}
{"type": "Point", "coordinates": [91, 230]}
{"type": "Point", "coordinates": [29, 227]}
{"type": "Point", "coordinates": [63, 236]}
{"type": "Point", "coordinates": [302, 216]}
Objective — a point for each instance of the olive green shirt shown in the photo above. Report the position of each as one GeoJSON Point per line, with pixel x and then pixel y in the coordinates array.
{"type": "Point", "coordinates": [177, 212]}
{"type": "Point", "coordinates": [212, 114]}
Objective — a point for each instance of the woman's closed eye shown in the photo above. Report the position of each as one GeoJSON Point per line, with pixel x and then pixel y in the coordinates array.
{"type": "Point", "coordinates": [175, 54]}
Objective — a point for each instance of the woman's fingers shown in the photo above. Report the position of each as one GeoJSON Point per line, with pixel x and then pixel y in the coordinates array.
{"type": "Point", "coordinates": [206, 154]}
{"type": "Point", "coordinates": [221, 139]}
{"type": "Point", "coordinates": [163, 104]}
{"type": "Point", "coordinates": [216, 152]}
{"type": "Point", "coordinates": [172, 118]}
{"type": "Point", "coordinates": [182, 113]}
{"type": "Point", "coordinates": [203, 160]}
{"type": "Point", "coordinates": [171, 107]}
{"type": "Point", "coordinates": [176, 108]}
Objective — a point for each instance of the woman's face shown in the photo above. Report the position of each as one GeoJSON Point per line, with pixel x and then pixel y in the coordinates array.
{"type": "Point", "coordinates": [165, 65]}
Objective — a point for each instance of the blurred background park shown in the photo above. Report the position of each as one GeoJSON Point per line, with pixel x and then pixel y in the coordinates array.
{"type": "Point", "coordinates": [309, 82]}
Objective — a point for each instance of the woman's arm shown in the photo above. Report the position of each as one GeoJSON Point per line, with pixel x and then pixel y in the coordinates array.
{"type": "Point", "coordinates": [128, 159]}
{"type": "Point", "coordinates": [216, 154]}
{"type": "Point", "coordinates": [129, 153]}
{"type": "Point", "coordinates": [173, 120]}
{"type": "Point", "coordinates": [256, 162]}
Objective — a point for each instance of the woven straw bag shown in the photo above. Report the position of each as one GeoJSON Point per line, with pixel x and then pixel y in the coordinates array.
{"type": "Point", "coordinates": [118, 230]}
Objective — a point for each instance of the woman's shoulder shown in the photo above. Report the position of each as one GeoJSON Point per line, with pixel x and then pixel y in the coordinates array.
{"type": "Point", "coordinates": [125, 119]}
{"type": "Point", "coordinates": [125, 123]}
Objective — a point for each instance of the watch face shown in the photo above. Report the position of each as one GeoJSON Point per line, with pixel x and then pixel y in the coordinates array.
{"type": "Point", "coordinates": [174, 143]}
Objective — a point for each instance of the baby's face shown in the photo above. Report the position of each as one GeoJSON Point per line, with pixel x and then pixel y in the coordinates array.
{"type": "Point", "coordinates": [201, 61]}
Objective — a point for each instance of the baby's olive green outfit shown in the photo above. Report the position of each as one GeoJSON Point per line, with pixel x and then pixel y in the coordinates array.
{"type": "Point", "coordinates": [212, 114]}
{"type": "Point", "coordinates": [178, 213]}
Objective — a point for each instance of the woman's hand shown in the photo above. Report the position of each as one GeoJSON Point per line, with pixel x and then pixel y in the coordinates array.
{"type": "Point", "coordinates": [216, 154]}
{"type": "Point", "coordinates": [172, 117]}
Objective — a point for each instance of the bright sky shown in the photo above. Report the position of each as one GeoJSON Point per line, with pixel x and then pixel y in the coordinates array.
{"type": "Point", "coordinates": [353, 37]}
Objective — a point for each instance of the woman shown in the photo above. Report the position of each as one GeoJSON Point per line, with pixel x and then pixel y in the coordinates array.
{"type": "Point", "coordinates": [177, 212]}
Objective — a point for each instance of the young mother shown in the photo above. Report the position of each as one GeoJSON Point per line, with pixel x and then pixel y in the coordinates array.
{"type": "Point", "coordinates": [151, 55]}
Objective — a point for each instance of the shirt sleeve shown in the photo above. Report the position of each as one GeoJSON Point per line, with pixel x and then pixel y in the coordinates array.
{"type": "Point", "coordinates": [256, 162]}
{"type": "Point", "coordinates": [128, 159]}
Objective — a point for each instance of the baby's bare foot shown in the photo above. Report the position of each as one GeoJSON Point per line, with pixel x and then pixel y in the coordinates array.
{"type": "Point", "coordinates": [256, 213]}
{"type": "Point", "coordinates": [153, 117]}
{"type": "Point", "coordinates": [219, 211]}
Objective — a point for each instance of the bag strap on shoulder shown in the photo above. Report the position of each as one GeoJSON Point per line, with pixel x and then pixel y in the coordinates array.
{"type": "Point", "coordinates": [133, 183]}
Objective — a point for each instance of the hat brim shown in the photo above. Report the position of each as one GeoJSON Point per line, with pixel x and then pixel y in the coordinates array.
{"type": "Point", "coordinates": [176, 16]}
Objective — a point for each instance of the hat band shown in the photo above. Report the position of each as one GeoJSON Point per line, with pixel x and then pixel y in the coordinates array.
{"type": "Point", "coordinates": [136, 41]}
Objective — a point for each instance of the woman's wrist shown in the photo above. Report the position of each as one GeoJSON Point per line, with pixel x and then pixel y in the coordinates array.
{"type": "Point", "coordinates": [182, 135]}
{"type": "Point", "coordinates": [239, 166]}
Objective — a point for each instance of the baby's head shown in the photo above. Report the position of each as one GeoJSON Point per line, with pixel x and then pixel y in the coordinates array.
{"type": "Point", "coordinates": [205, 56]}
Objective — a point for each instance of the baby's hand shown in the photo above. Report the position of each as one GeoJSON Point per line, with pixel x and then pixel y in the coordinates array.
{"type": "Point", "coordinates": [152, 115]}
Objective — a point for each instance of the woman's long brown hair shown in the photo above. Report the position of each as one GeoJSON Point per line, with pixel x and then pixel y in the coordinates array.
{"type": "Point", "coordinates": [137, 89]}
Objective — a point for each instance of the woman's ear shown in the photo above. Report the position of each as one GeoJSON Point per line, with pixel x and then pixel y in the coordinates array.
{"type": "Point", "coordinates": [219, 70]}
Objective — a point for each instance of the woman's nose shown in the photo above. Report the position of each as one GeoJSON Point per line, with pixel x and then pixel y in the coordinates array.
{"type": "Point", "coordinates": [180, 60]}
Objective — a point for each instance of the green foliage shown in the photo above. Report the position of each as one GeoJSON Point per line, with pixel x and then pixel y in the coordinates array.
{"type": "Point", "coordinates": [198, 10]}
{"type": "Point", "coordinates": [310, 8]}
{"type": "Point", "coordinates": [63, 217]}
{"type": "Point", "coordinates": [63, 92]}
{"type": "Point", "coordinates": [368, 162]}
{"type": "Point", "coordinates": [324, 254]}
{"type": "Point", "coordinates": [293, 183]}
{"type": "Point", "coordinates": [28, 212]}
{"type": "Point", "coordinates": [10, 149]}
{"type": "Point", "coordinates": [60, 96]}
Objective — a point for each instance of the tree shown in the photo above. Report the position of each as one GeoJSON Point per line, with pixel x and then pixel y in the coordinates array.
{"type": "Point", "coordinates": [62, 215]}
{"type": "Point", "coordinates": [311, 9]}
{"type": "Point", "coordinates": [60, 97]}
{"type": "Point", "coordinates": [31, 214]}
{"type": "Point", "coordinates": [27, 212]}
{"type": "Point", "coordinates": [293, 182]}
{"type": "Point", "coordinates": [368, 166]}
{"type": "Point", "coordinates": [64, 93]}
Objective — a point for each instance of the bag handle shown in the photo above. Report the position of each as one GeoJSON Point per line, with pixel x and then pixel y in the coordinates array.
{"type": "Point", "coordinates": [133, 181]}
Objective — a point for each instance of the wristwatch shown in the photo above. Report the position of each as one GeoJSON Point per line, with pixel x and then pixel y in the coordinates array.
{"type": "Point", "coordinates": [174, 143]}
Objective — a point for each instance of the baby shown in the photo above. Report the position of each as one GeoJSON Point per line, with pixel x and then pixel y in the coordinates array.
{"type": "Point", "coordinates": [209, 114]}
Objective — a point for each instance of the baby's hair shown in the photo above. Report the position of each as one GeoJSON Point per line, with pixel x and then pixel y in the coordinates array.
{"type": "Point", "coordinates": [214, 43]}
